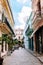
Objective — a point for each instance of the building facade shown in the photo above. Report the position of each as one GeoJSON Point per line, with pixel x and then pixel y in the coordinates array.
{"type": "Point", "coordinates": [27, 33]}
{"type": "Point", "coordinates": [37, 24]}
{"type": "Point", "coordinates": [6, 24]}
{"type": "Point", "coordinates": [19, 34]}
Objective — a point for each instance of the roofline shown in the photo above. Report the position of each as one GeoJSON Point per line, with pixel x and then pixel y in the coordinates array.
{"type": "Point", "coordinates": [10, 10]}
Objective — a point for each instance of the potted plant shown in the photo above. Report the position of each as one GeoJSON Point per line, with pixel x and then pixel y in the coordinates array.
{"type": "Point", "coordinates": [1, 59]}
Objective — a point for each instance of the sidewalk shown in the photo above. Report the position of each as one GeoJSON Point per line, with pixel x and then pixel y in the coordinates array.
{"type": "Point", "coordinates": [39, 56]}
{"type": "Point", "coordinates": [40, 59]}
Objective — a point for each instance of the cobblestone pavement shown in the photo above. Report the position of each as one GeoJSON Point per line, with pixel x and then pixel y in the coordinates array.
{"type": "Point", "coordinates": [21, 57]}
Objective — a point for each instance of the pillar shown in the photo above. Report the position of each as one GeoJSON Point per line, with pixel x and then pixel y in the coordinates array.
{"type": "Point", "coordinates": [4, 46]}
{"type": "Point", "coordinates": [7, 47]}
{"type": "Point", "coordinates": [34, 41]}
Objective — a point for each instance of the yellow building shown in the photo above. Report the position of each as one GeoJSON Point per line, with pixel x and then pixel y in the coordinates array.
{"type": "Point", "coordinates": [6, 22]}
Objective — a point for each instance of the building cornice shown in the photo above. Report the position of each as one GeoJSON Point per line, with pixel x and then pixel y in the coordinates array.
{"type": "Point", "coordinates": [9, 10]}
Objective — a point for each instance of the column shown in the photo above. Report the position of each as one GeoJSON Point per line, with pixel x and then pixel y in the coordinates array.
{"type": "Point", "coordinates": [34, 43]}
{"type": "Point", "coordinates": [4, 46]}
{"type": "Point", "coordinates": [7, 47]}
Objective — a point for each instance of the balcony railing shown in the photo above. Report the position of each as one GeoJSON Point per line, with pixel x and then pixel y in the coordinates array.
{"type": "Point", "coordinates": [7, 23]}
{"type": "Point", "coordinates": [36, 17]}
{"type": "Point", "coordinates": [4, 20]}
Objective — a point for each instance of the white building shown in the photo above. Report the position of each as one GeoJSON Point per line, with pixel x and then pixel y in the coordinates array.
{"type": "Point", "coordinates": [19, 34]}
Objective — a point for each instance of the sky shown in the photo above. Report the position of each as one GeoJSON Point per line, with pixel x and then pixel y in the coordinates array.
{"type": "Point", "coordinates": [21, 10]}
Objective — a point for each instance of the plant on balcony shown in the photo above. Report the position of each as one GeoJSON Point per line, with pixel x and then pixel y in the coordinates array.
{"type": "Point", "coordinates": [5, 38]}
{"type": "Point", "coordinates": [29, 32]}
{"type": "Point", "coordinates": [0, 40]}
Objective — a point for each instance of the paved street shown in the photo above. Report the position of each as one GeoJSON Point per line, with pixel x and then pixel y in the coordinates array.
{"type": "Point", "coordinates": [21, 57]}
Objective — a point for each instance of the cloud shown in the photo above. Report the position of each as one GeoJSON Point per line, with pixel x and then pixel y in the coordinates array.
{"type": "Point", "coordinates": [24, 14]}
{"type": "Point", "coordinates": [22, 1]}
{"type": "Point", "coordinates": [20, 26]}
{"type": "Point", "coordinates": [21, 10]}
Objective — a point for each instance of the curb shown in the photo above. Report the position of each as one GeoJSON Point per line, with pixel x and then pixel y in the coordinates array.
{"type": "Point", "coordinates": [40, 60]}
{"type": "Point", "coordinates": [32, 53]}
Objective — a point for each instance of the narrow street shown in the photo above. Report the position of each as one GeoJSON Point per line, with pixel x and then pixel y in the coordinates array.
{"type": "Point", "coordinates": [21, 57]}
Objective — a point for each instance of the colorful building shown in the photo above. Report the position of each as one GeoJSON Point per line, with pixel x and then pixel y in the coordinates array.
{"type": "Point", "coordinates": [37, 25]}
{"type": "Point", "coordinates": [36, 20]}
{"type": "Point", "coordinates": [6, 24]}
{"type": "Point", "coordinates": [28, 31]}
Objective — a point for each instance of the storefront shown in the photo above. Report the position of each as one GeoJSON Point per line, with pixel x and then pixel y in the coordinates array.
{"type": "Point", "coordinates": [39, 40]}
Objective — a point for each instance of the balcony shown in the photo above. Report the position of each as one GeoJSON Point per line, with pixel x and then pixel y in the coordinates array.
{"type": "Point", "coordinates": [36, 17]}
{"type": "Point", "coordinates": [5, 25]}
{"type": "Point", "coordinates": [28, 24]}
